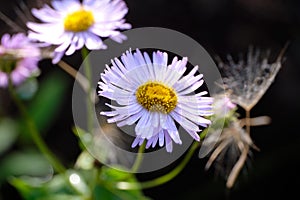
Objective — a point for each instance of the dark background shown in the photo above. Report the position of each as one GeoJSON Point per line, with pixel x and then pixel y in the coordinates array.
{"type": "Point", "coordinates": [221, 27]}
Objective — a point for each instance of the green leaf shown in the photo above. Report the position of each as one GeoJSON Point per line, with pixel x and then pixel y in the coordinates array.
{"type": "Point", "coordinates": [85, 161]}
{"type": "Point", "coordinates": [27, 191]}
{"type": "Point", "coordinates": [113, 175]}
{"type": "Point", "coordinates": [28, 162]}
{"type": "Point", "coordinates": [8, 133]}
{"type": "Point", "coordinates": [110, 178]}
{"type": "Point", "coordinates": [55, 189]}
{"type": "Point", "coordinates": [101, 192]}
{"type": "Point", "coordinates": [62, 197]}
{"type": "Point", "coordinates": [85, 185]}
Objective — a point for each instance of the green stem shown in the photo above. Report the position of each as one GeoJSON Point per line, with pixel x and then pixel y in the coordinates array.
{"type": "Point", "coordinates": [88, 74]}
{"type": "Point", "coordinates": [95, 181]}
{"type": "Point", "coordinates": [203, 134]}
{"type": "Point", "coordinates": [163, 179]}
{"type": "Point", "coordinates": [36, 137]}
{"type": "Point", "coordinates": [139, 158]}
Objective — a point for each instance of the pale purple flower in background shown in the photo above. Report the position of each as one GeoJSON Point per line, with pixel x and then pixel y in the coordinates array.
{"type": "Point", "coordinates": [71, 25]}
{"type": "Point", "coordinates": [154, 95]}
{"type": "Point", "coordinates": [18, 59]}
{"type": "Point", "coordinates": [222, 105]}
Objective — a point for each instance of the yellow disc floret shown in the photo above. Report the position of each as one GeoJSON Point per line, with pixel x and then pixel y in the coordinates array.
{"type": "Point", "coordinates": [79, 21]}
{"type": "Point", "coordinates": [156, 97]}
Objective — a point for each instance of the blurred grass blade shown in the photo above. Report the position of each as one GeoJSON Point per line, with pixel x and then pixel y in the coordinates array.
{"type": "Point", "coordinates": [8, 133]}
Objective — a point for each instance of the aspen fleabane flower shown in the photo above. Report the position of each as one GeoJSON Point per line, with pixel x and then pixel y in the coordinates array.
{"type": "Point", "coordinates": [18, 59]}
{"type": "Point", "coordinates": [71, 24]}
{"type": "Point", "coordinates": [155, 95]}
{"type": "Point", "coordinates": [79, 21]}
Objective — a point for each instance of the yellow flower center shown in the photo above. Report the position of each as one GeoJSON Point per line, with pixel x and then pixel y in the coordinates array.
{"type": "Point", "coordinates": [157, 97]}
{"type": "Point", "coordinates": [79, 21]}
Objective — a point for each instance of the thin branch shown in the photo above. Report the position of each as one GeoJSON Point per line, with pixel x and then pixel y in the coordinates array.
{"type": "Point", "coordinates": [75, 74]}
{"type": "Point", "coordinates": [215, 154]}
{"type": "Point", "coordinates": [257, 121]}
{"type": "Point", "coordinates": [240, 163]}
{"type": "Point", "coordinates": [81, 79]}
{"type": "Point", "coordinates": [14, 26]}
{"type": "Point", "coordinates": [237, 168]}
{"type": "Point", "coordinates": [248, 121]}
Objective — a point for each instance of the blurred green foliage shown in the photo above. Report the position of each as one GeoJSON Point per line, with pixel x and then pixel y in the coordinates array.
{"type": "Point", "coordinates": [45, 106]}
{"type": "Point", "coordinates": [79, 184]}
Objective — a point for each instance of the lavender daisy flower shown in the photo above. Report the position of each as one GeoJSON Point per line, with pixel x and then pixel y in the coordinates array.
{"type": "Point", "coordinates": [71, 24]}
{"type": "Point", "coordinates": [18, 59]}
{"type": "Point", "coordinates": [155, 95]}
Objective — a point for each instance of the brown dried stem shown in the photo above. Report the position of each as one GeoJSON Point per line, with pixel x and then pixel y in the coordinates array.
{"type": "Point", "coordinates": [81, 79]}
{"type": "Point", "coordinates": [240, 163]}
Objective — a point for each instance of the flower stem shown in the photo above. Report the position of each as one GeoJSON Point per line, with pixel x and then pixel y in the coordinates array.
{"type": "Point", "coordinates": [139, 158]}
{"type": "Point", "coordinates": [34, 133]}
{"type": "Point", "coordinates": [248, 122]}
{"type": "Point", "coordinates": [163, 179]}
{"type": "Point", "coordinates": [75, 74]}
{"type": "Point", "coordinates": [237, 168]}
{"type": "Point", "coordinates": [88, 74]}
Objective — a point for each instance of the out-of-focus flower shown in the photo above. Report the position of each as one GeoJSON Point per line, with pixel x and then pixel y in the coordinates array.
{"type": "Point", "coordinates": [71, 24]}
{"type": "Point", "coordinates": [18, 59]}
{"type": "Point", "coordinates": [155, 95]}
{"type": "Point", "coordinates": [224, 113]}
{"type": "Point", "coordinates": [222, 106]}
{"type": "Point", "coordinates": [248, 80]}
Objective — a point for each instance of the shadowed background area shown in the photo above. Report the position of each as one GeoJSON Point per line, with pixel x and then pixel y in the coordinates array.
{"type": "Point", "coordinates": [222, 27]}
